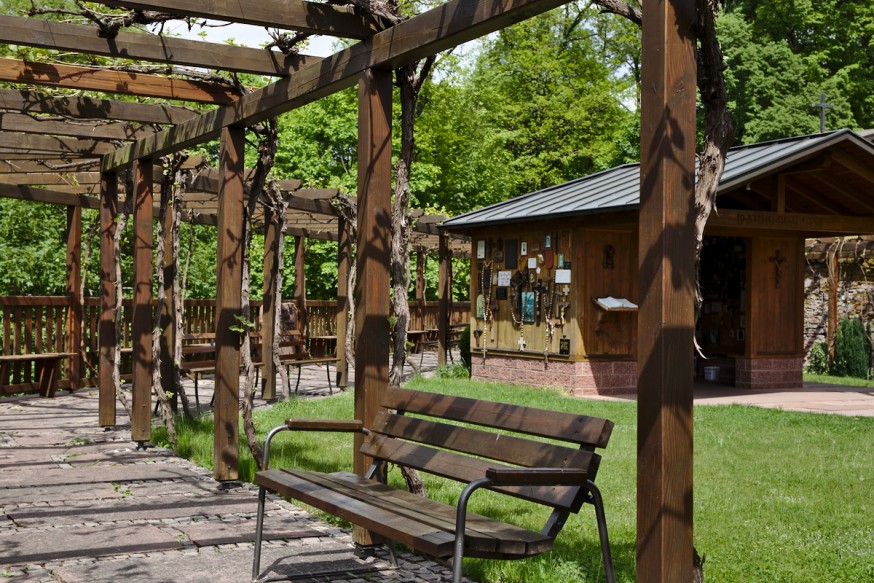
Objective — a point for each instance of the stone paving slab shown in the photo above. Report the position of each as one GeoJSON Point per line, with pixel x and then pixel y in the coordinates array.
{"type": "Point", "coordinates": [126, 508]}
{"type": "Point", "coordinates": [44, 545]}
{"type": "Point", "coordinates": [222, 533]}
{"type": "Point", "coordinates": [85, 475]}
{"type": "Point", "coordinates": [222, 564]}
{"type": "Point", "coordinates": [65, 493]}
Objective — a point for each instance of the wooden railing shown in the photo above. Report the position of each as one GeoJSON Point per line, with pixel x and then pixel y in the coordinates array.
{"type": "Point", "coordinates": [37, 324]}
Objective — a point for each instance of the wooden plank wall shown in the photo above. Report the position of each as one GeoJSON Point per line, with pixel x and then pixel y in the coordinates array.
{"type": "Point", "coordinates": [776, 307]}
{"type": "Point", "coordinates": [608, 268]}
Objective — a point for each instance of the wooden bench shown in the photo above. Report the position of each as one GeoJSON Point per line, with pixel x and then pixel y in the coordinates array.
{"type": "Point", "coordinates": [198, 358]}
{"type": "Point", "coordinates": [418, 430]}
{"type": "Point", "coordinates": [293, 350]}
{"type": "Point", "coordinates": [48, 365]}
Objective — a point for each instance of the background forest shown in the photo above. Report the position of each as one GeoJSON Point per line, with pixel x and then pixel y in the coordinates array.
{"type": "Point", "coordinates": [545, 101]}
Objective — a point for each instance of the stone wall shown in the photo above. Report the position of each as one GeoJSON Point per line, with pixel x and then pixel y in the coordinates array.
{"type": "Point", "coordinates": [855, 285]}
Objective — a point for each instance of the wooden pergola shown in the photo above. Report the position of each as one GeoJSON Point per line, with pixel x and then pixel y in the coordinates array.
{"type": "Point", "coordinates": [119, 135]}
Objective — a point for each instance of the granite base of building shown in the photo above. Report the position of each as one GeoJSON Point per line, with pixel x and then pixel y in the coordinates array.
{"type": "Point", "coordinates": [577, 378]}
{"type": "Point", "coordinates": [620, 377]}
{"type": "Point", "coordinates": [768, 373]}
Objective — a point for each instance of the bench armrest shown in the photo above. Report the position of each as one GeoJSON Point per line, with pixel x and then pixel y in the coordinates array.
{"type": "Point", "coordinates": [537, 476]}
{"type": "Point", "coordinates": [340, 425]}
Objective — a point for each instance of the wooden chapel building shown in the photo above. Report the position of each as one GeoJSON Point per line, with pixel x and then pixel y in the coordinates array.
{"type": "Point", "coordinates": [554, 284]}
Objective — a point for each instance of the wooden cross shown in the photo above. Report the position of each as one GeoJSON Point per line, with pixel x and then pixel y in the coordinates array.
{"type": "Point", "coordinates": [822, 106]}
{"type": "Point", "coordinates": [778, 261]}
{"type": "Point", "coordinates": [521, 342]}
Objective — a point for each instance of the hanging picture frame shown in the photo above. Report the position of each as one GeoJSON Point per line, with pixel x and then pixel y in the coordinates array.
{"type": "Point", "coordinates": [523, 248]}
{"type": "Point", "coordinates": [528, 307]}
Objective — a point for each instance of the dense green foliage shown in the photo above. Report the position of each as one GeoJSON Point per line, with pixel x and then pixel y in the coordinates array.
{"type": "Point", "coordinates": [770, 502]}
{"type": "Point", "coordinates": [544, 101]}
{"type": "Point", "coordinates": [783, 54]}
{"type": "Point", "coordinates": [817, 360]}
{"type": "Point", "coordinates": [852, 350]}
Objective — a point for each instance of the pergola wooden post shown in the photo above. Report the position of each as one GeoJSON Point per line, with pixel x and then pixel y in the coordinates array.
{"type": "Point", "coordinates": [168, 313]}
{"type": "Point", "coordinates": [421, 259]}
{"type": "Point", "coordinates": [74, 286]}
{"type": "Point", "coordinates": [444, 295]}
{"type": "Point", "coordinates": [373, 252]}
{"type": "Point", "coordinates": [300, 283]}
{"type": "Point", "coordinates": [344, 262]}
{"type": "Point", "coordinates": [107, 336]}
{"type": "Point", "coordinates": [229, 284]}
{"type": "Point", "coordinates": [667, 276]}
{"type": "Point", "coordinates": [269, 304]}
{"type": "Point", "coordinates": [141, 332]}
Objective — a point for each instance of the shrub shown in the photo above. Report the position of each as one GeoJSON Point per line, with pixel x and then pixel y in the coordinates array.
{"type": "Point", "coordinates": [817, 360]}
{"type": "Point", "coordinates": [464, 347]}
{"type": "Point", "coordinates": [454, 371]}
{"type": "Point", "coordinates": [852, 350]}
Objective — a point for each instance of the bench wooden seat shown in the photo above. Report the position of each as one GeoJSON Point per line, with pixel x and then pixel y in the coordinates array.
{"type": "Point", "coordinates": [497, 449]}
{"type": "Point", "coordinates": [48, 366]}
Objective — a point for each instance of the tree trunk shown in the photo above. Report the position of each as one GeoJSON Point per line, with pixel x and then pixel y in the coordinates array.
{"type": "Point", "coordinates": [157, 389]}
{"type": "Point", "coordinates": [268, 134]}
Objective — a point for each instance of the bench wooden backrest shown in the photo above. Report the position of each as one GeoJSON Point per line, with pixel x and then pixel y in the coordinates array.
{"type": "Point", "coordinates": [464, 453]}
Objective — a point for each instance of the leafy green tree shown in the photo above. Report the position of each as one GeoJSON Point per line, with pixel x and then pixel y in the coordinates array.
{"type": "Point", "coordinates": [782, 55]}
{"type": "Point", "coordinates": [852, 350]}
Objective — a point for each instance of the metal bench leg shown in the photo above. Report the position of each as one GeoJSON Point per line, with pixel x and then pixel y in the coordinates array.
{"type": "Point", "coordinates": [298, 379]}
{"type": "Point", "coordinates": [196, 394]}
{"type": "Point", "coordinates": [330, 387]}
{"type": "Point", "coordinates": [259, 528]}
{"type": "Point", "coordinates": [598, 503]}
{"type": "Point", "coordinates": [288, 380]}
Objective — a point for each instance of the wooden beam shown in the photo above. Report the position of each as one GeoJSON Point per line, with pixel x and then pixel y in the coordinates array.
{"type": "Point", "coordinates": [373, 248]}
{"type": "Point", "coordinates": [92, 108]}
{"type": "Point", "coordinates": [74, 293]}
{"type": "Point", "coordinates": [141, 327]}
{"type": "Point", "coordinates": [12, 166]}
{"type": "Point", "coordinates": [289, 14]}
{"type": "Point", "coordinates": [106, 329]}
{"type": "Point", "coordinates": [300, 283]}
{"type": "Point", "coordinates": [54, 145]}
{"type": "Point", "coordinates": [110, 81]}
{"type": "Point", "coordinates": [140, 46]}
{"type": "Point", "coordinates": [446, 26]}
{"type": "Point", "coordinates": [69, 178]}
{"type": "Point", "coordinates": [19, 122]}
{"type": "Point", "coordinates": [813, 198]}
{"type": "Point", "coordinates": [229, 282]}
{"type": "Point", "coordinates": [270, 305]}
{"type": "Point", "coordinates": [853, 164]}
{"type": "Point", "coordinates": [666, 321]}
{"type": "Point", "coordinates": [47, 196]}
{"type": "Point", "coordinates": [344, 268]}
{"type": "Point", "coordinates": [835, 184]}
{"type": "Point", "coordinates": [444, 296]}
{"type": "Point", "coordinates": [791, 222]}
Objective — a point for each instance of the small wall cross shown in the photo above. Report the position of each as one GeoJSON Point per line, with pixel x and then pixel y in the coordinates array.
{"type": "Point", "coordinates": [778, 261]}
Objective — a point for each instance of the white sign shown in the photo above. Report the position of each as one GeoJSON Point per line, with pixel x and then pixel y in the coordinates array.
{"type": "Point", "coordinates": [480, 249]}
{"type": "Point", "coordinates": [504, 278]}
{"type": "Point", "coordinates": [532, 263]}
{"type": "Point", "coordinates": [562, 276]}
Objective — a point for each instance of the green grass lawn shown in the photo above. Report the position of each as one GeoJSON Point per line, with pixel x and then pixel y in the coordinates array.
{"type": "Point", "coordinates": [779, 496]}
{"type": "Point", "coordinates": [828, 379]}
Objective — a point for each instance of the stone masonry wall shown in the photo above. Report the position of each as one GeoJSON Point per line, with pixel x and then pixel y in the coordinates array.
{"type": "Point", "coordinates": [855, 295]}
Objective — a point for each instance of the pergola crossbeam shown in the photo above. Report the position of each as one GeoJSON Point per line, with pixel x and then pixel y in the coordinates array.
{"type": "Point", "coordinates": [148, 47]}
{"type": "Point", "coordinates": [92, 108]}
{"type": "Point", "coordinates": [296, 15]}
{"type": "Point", "coordinates": [438, 29]}
{"type": "Point", "coordinates": [112, 81]}
{"type": "Point", "coordinates": [19, 122]}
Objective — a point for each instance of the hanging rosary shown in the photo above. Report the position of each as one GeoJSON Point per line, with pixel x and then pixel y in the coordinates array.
{"type": "Point", "coordinates": [515, 296]}
{"type": "Point", "coordinates": [487, 302]}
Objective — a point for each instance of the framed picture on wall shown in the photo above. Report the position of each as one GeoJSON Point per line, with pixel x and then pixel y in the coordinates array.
{"type": "Point", "coordinates": [523, 248]}
{"type": "Point", "coordinates": [528, 307]}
